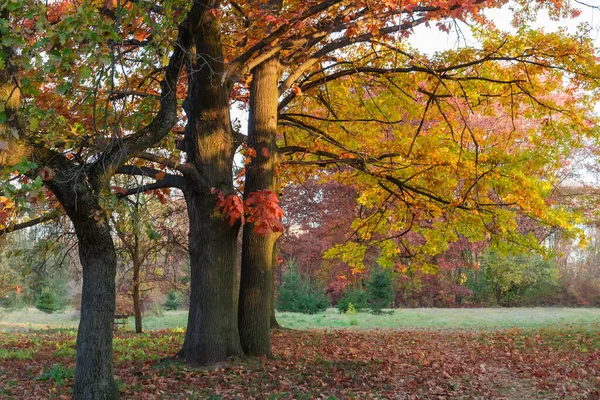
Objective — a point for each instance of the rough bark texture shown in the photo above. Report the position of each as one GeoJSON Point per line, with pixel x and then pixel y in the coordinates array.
{"type": "Point", "coordinates": [137, 307]}
{"type": "Point", "coordinates": [212, 336]}
{"type": "Point", "coordinates": [94, 365]}
{"type": "Point", "coordinates": [256, 283]}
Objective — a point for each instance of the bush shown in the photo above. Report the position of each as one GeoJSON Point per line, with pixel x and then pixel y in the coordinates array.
{"type": "Point", "coordinates": [380, 291]}
{"type": "Point", "coordinates": [172, 302]}
{"type": "Point", "coordinates": [514, 279]}
{"type": "Point", "coordinates": [47, 302]}
{"type": "Point", "coordinates": [298, 293]}
{"type": "Point", "coordinates": [355, 297]}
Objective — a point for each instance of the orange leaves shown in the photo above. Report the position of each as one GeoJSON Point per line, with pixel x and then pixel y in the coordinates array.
{"type": "Point", "coordinates": [249, 153]}
{"type": "Point", "coordinates": [260, 208]}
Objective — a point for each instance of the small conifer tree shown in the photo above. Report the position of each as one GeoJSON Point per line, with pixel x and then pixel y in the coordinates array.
{"type": "Point", "coordinates": [47, 302]}
{"type": "Point", "coordinates": [298, 293]}
{"type": "Point", "coordinates": [380, 290]}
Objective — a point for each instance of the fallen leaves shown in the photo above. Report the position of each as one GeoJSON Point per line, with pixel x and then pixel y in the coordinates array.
{"type": "Point", "coordinates": [411, 364]}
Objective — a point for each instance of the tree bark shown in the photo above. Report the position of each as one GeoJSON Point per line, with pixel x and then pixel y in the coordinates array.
{"type": "Point", "coordinates": [256, 283]}
{"type": "Point", "coordinates": [212, 336]}
{"type": "Point", "coordinates": [94, 365]}
{"type": "Point", "coordinates": [137, 307]}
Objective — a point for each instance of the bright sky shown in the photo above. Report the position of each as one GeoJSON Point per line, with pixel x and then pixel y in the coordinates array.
{"type": "Point", "coordinates": [430, 40]}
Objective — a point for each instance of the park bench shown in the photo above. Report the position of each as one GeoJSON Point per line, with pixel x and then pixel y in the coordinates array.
{"type": "Point", "coordinates": [120, 319]}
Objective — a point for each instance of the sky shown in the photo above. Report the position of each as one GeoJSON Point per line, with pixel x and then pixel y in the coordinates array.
{"type": "Point", "coordinates": [430, 40]}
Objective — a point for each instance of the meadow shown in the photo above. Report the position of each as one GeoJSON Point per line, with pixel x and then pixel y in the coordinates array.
{"type": "Point", "coordinates": [426, 318]}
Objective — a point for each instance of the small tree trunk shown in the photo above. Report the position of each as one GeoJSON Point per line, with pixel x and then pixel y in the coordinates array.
{"type": "Point", "coordinates": [94, 365]}
{"type": "Point", "coordinates": [137, 307]}
{"type": "Point", "coordinates": [256, 284]}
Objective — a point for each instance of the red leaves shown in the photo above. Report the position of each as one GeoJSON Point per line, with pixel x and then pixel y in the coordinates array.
{"type": "Point", "coordinates": [260, 208]}
{"type": "Point", "coordinates": [231, 206]}
{"type": "Point", "coordinates": [249, 153]}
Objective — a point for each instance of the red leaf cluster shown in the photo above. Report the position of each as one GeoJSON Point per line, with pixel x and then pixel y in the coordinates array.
{"type": "Point", "coordinates": [262, 209]}
{"type": "Point", "coordinates": [231, 206]}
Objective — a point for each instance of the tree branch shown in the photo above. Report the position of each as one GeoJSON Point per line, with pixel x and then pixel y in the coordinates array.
{"type": "Point", "coordinates": [52, 215]}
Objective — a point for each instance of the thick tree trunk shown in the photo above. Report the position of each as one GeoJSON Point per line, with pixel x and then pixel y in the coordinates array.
{"type": "Point", "coordinates": [212, 336]}
{"type": "Point", "coordinates": [137, 307]}
{"type": "Point", "coordinates": [94, 365]}
{"type": "Point", "coordinates": [256, 284]}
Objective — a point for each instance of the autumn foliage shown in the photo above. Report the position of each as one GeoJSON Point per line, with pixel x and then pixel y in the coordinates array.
{"type": "Point", "coordinates": [261, 208]}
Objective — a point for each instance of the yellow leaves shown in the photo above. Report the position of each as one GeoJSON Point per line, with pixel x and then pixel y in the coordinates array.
{"type": "Point", "coordinates": [6, 204]}
{"type": "Point", "coordinates": [351, 253]}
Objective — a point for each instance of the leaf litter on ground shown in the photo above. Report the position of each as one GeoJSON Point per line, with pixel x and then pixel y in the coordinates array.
{"type": "Point", "coordinates": [549, 363]}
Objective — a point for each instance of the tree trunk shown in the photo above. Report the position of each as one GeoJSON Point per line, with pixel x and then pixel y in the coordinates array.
{"type": "Point", "coordinates": [137, 307]}
{"type": "Point", "coordinates": [256, 284]}
{"type": "Point", "coordinates": [94, 365]}
{"type": "Point", "coordinates": [212, 336]}
{"type": "Point", "coordinates": [78, 195]}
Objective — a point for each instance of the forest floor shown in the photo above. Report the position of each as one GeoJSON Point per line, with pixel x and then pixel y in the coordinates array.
{"type": "Point", "coordinates": [538, 363]}
{"type": "Point", "coordinates": [551, 354]}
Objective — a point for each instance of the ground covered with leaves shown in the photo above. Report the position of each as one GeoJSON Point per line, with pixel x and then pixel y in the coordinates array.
{"type": "Point", "coordinates": [559, 362]}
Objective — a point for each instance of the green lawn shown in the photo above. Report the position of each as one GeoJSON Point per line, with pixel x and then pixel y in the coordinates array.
{"type": "Point", "coordinates": [477, 318]}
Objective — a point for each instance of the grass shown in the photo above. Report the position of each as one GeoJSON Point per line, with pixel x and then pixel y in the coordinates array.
{"type": "Point", "coordinates": [431, 318]}
{"type": "Point", "coordinates": [440, 318]}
